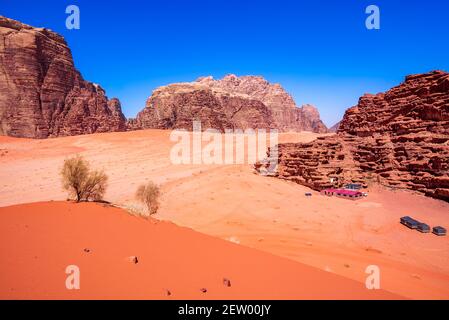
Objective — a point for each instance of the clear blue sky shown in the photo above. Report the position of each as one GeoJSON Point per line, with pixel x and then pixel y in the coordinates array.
{"type": "Point", "coordinates": [320, 51]}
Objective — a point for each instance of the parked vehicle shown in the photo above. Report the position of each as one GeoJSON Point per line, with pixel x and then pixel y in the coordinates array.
{"type": "Point", "coordinates": [342, 193]}
{"type": "Point", "coordinates": [354, 186]}
{"type": "Point", "coordinates": [410, 222]}
{"type": "Point", "coordinates": [439, 231]}
{"type": "Point", "coordinates": [405, 219]}
{"type": "Point", "coordinates": [423, 228]}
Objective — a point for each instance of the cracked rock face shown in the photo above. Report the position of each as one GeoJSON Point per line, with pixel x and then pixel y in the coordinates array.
{"type": "Point", "coordinates": [176, 106]}
{"type": "Point", "coordinates": [230, 103]}
{"type": "Point", "coordinates": [42, 94]}
{"type": "Point", "coordinates": [420, 104]}
{"type": "Point", "coordinates": [399, 139]}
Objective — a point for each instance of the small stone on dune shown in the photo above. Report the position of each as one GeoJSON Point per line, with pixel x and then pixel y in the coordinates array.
{"type": "Point", "coordinates": [226, 282]}
{"type": "Point", "coordinates": [133, 259]}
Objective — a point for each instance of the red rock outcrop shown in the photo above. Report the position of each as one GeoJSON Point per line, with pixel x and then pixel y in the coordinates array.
{"type": "Point", "coordinates": [41, 92]}
{"type": "Point", "coordinates": [232, 102]}
{"type": "Point", "coordinates": [399, 139]}
{"type": "Point", "coordinates": [420, 104]}
{"type": "Point", "coordinates": [176, 106]}
{"type": "Point", "coordinates": [286, 115]}
{"type": "Point", "coordinates": [334, 128]}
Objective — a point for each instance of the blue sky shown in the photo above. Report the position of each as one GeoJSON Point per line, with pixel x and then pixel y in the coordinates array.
{"type": "Point", "coordinates": [320, 51]}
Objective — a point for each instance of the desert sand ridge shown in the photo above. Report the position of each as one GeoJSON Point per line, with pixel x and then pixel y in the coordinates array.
{"type": "Point", "coordinates": [172, 262]}
{"type": "Point", "coordinates": [234, 204]}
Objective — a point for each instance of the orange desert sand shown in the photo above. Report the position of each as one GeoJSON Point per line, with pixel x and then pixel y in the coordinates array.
{"type": "Point", "coordinates": [172, 262]}
{"type": "Point", "coordinates": [338, 238]}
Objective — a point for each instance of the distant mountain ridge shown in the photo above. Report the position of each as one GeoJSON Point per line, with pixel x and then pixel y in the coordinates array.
{"type": "Point", "coordinates": [43, 95]}
{"type": "Point", "coordinates": [335, 127]}
{"type": "Point", "coordinates": [231, 102]}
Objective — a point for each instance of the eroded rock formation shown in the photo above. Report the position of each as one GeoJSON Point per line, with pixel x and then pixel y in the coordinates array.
{"type": "Point", "coordinates": [334, 128]}
{"type": "Point", "coordinates": [41, 92]}
{"type": "Point", "coordinates": [232, 102]}
{"type": "Point", "coordinates": [399, 138]}
{"type": "Point", "coordinates": [177, 105]}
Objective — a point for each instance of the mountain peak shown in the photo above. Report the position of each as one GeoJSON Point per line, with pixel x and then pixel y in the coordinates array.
{"type": "Point", "coordinates": [278, 108]}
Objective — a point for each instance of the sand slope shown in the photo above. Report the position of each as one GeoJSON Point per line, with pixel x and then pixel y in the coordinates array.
{"type": "Point", "coordinates": [232, 203]}
{"type": "Point", "coordinates": [39, 240]}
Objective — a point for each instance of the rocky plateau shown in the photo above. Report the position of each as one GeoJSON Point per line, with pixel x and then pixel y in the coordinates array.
{"type": "Point", "coordinates": [230, 103]}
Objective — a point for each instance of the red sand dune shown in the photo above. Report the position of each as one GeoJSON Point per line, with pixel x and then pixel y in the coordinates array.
{"type": "Point", "coordinates": [232, 203]}
{"type": "Point", "coordinates": [38, 241]}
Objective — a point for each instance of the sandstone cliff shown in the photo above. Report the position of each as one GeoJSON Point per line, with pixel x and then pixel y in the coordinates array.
{"type": "Point", "coordinates": [177, 105]}
{"type": "Point", "coordinates": [399, 139]}
{"type": "Point", "coordinates": [232, 102]}
{"type": "Point", "coordinates": [41, 92]}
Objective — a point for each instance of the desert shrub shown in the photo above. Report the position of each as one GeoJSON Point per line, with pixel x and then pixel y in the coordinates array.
{"type": "Point", "coordinates": [95, 186]}
{"type": "Point", "coordinates": [82, 183]}
{"type": "Point", "coordinates": [148, 194]}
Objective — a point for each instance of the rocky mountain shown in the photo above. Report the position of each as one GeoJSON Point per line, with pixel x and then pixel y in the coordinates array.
{"type": "Point", "coordinates": [232, 102]}
{"type": "Point", "coordinates": [334, 128]}
{"type": "Point", "coordinates": [399, 138]}
{"type": "Point", "coordinates": [419, 104]}
{"type": "Point", "coordinates": [177, 105]}
{"type": "Point", "coordinates": [42, 94]}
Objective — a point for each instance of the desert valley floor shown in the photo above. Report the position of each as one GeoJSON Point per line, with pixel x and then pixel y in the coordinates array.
{"type": "Point", "coordinates": [340, 238]}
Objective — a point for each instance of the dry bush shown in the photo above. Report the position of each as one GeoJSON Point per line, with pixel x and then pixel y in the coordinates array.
{"type": "Point", "coordinates": [95, 186]}
{"type": "Point", "coordinates": [82, 183]}
{"type": "Point", "coordinates": [149, 195]}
